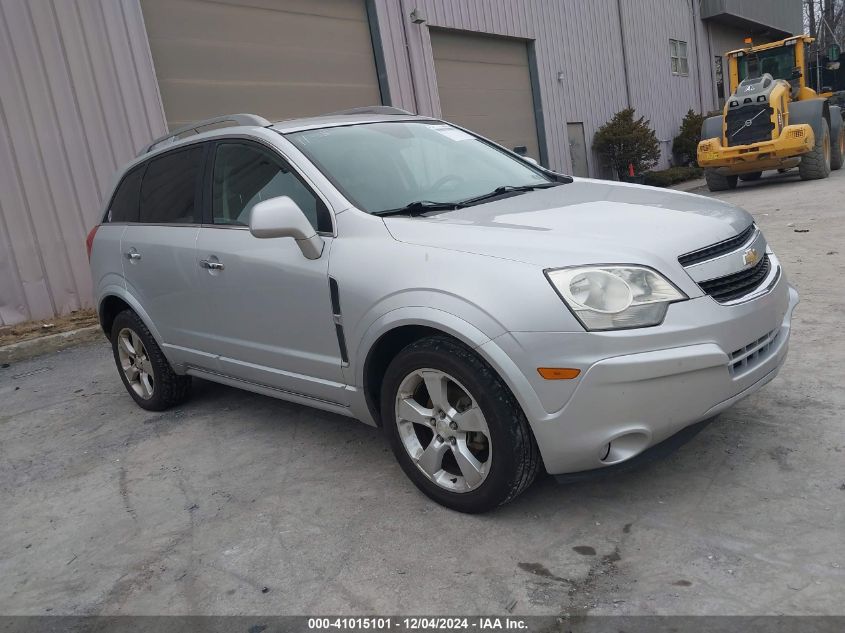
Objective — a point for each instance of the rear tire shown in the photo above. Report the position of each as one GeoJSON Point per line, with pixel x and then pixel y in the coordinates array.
{"type": "Point", "coordinates": [750, 177]}
{"type": "Point", "coordinates": [837, 150]}
{"type": "Point", "coordinates": [143, 368]}
{"type": "Point", "coordinates": [816, 163]}
{"type": "Point", "coordinates": [719, 182]}
{"type": "Point", "coordinates": [504, 452]}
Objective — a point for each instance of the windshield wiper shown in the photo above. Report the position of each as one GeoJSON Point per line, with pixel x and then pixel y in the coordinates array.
{"type": "Point", "coordinates": [419, 207]}
{"type": "Point", "coordinates": [506, 189]}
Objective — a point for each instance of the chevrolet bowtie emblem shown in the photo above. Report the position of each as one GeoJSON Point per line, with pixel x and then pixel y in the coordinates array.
{"type": "Point", "coordinates": [750, 257]}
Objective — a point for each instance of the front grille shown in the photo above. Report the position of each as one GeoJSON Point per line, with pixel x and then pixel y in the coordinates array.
{"type": "Point", "coordinates": [709, 252]}
{"type": "Point", "coordinates": [748, 357]}
{"type": "Point", "coordinates": [760, 129]}
{"type": "Point", "coordinates": [739, 284]}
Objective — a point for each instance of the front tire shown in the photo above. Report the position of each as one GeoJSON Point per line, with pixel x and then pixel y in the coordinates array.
{"type": "Point", "coordinates": [455, 427]}
{"type": "Point", "coordinates": [719, 182]}
{"type": "Point", "coordinates": [143, 368]}
{"type": "Point", "coordinates": [816, 163]}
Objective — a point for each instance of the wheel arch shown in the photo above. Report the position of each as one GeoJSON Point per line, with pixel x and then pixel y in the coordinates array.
{"type": "Point", "coordinates": [396, 330]}
{"type": "Point", "coordinates": [113, 301]}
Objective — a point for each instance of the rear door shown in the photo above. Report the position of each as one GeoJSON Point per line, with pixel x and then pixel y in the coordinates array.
{"type": "Point", "coordinates": [269, 307]}
{"type": "Point", "coordinates": [158, 249]}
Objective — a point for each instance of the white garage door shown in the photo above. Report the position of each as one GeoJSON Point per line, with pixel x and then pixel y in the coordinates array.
{"type": "Point", "coordinates": [485, 85]}
{"type": "Point", "coordinates": [276, 58]}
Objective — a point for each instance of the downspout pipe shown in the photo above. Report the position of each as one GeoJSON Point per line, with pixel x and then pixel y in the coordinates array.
{"type": "Point", "coordinates": [624, 53]}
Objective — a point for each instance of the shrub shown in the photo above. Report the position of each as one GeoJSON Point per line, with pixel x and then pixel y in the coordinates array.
{"type": "Point", "coordinates": [685, 145]}
{"type": "Point", "coordinates": [671, 176]}
{"type": "Point", "coordinates": [624, 141]}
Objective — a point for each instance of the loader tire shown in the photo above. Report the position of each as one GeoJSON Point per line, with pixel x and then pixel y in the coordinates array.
{"type": "Point", "coordinates": [816, 163]}
{"type": "Point", "coordinates": [837, 150]}
{"type": "Point", "coordinates": [719, 182]}
{"type": "Point", "coordinates": [754, 175]}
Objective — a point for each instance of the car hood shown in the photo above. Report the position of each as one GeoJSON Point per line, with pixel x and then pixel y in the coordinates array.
{"type": "Point", "coordinates": [583, 222]}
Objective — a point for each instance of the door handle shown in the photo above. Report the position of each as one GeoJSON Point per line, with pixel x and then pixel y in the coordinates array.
{"type": "Point", "coordinates": [204, 263]}
{"type": "Point", "coordinates": [133, 255]}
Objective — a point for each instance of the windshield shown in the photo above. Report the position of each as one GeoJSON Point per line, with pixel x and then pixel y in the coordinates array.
{"type": "Point", "coordinates": [384, 166]}
{"type": "Point", "coordinates": [778, 62]}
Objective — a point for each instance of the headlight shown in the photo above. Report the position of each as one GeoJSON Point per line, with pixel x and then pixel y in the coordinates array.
{"type": "Point", "coordinates": [615, 297]}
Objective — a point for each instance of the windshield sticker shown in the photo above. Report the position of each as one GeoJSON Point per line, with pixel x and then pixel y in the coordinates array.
{"type": "Point", "coordinates": [451, 132]}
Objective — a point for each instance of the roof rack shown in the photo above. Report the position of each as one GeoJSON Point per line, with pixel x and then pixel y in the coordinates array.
{"type": "Point", "coordinates": [378, 109]}
{"type": "Point", "coordinates": [237, 119]}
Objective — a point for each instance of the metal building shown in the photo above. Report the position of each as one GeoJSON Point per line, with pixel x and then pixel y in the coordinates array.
{"type": "Point", "coordinates": [85, 83]}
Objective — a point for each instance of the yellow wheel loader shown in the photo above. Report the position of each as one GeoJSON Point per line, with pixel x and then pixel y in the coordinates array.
{"type": "Point", "coordinates": [772, 120]}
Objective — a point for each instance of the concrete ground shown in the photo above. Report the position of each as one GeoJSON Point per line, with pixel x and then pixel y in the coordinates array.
{"type": "Point", "coordinates": [237, 503]}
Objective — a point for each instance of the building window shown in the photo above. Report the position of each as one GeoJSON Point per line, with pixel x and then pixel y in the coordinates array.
{"type": "Point", "coordinates": [720, 79]}
{"type": "Point", "coordinates": [678, 53]}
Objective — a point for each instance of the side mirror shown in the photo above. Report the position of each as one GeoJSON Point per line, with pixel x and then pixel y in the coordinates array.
{"type": "Point", "coordinates": [282, 217]}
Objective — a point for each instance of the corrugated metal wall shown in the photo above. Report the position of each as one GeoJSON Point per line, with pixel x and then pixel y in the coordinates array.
{"type": "Point", "coordinates": [580, 40]}
{"type": "Point", "coordinates": [78, 97]}
{"type": "Point", "coordinates": [662, 97]}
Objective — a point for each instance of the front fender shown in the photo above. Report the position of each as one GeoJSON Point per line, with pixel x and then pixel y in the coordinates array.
{"type": "Point", "coordinates": [712, 128]}
{"type": "Point", "coordinates": [812, 112]}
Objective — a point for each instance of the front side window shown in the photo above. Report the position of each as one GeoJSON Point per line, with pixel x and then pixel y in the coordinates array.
{"type": "Point", "coordinates": [125, 203]}
{"type": "Point", "coordinates": [387, 166]}
{"type": "Point", "coordinates": [169, 188]}
{"type": "Point", "coordinates": [678, 55]}
{"type": "Point", "coordinates": [245, 175]}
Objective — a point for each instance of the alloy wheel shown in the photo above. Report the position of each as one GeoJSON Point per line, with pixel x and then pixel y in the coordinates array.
{"type": "Point", "coordinates": [443, 430]}
{"type": "Point", "coordinates": [135, 363]}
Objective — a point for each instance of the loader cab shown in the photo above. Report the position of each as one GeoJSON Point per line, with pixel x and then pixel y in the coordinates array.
{"type": "Point", "coordinates": [784, 59]}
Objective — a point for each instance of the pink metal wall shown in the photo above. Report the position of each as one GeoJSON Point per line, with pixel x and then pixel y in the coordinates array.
{"type": "Point", "coordinates": [78, 98]}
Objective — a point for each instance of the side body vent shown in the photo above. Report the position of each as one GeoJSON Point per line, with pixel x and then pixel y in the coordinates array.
{"type": "Point", "coordinates": [337, 316]}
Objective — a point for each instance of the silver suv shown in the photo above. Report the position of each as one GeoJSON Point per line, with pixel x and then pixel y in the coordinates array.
{"type": "Point", "coordinates": [493, 317]}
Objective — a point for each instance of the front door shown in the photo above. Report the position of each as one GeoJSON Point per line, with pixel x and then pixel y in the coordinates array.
{"type": "Point", "coordinates": [268, 307]}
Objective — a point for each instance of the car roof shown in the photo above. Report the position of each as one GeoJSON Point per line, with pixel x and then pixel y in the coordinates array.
{"type": "Point", "coordinates": [245, 122]}
{"type": "Point", "coordinates": [340, 119]}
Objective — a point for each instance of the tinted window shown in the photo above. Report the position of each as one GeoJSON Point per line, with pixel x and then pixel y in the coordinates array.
{"type": "Point", "coordinates": [245, 175]}
{"type": "Point", "coordinates": [169, 187]}
{"type": "Point", "coordinates": [124, 204]}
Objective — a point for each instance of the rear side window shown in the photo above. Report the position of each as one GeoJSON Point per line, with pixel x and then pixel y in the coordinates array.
{"type": "Point", "coordinates": [125, 204]}
{"type": "Point", "coordinates": [170, 186]}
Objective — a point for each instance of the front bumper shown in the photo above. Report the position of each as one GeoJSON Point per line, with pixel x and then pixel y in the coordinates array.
{"type": "Point", "coordinates": [639, 387]}
{"type": "Point", "coordinates": [794, 140]}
